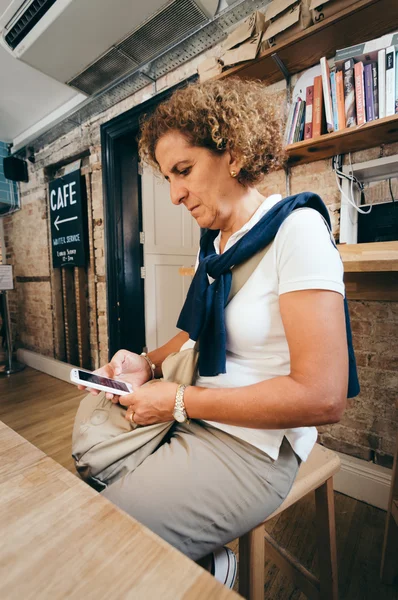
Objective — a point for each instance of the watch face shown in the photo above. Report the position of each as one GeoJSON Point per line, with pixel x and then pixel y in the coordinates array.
{"type": "Point", "coordinates": [179, 416]}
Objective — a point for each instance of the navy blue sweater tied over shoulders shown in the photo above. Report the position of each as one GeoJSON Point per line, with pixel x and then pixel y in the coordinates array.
{"type": "Point", "coordinates": [202, 315]}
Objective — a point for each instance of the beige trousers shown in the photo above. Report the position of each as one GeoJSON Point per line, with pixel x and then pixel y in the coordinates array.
{"type": "Point", "coordinates": [202, 487]}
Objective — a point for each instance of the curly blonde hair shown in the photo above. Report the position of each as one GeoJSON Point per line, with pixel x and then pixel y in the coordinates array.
{"type": "Point", "coordinates": [231, 114]}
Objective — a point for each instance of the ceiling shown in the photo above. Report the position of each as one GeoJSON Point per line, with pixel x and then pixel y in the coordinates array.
{"type": "Point", "coordinates": [27, 96]}
{"type": "Point", "coordinates": [32, 102]}
{"type": "Point", "coordinates": [30, 99]}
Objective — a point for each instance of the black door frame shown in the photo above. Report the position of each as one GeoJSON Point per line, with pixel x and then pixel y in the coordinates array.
{"type": "Point", "coordinates": [112, 134]}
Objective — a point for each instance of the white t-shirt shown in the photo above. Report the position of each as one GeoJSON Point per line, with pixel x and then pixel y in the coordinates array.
{"type": "Point", "coordinates": [300, 257]}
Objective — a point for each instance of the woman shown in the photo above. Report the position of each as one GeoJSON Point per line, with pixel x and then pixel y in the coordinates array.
{"type": "Point", "coordinates": [273, 364]}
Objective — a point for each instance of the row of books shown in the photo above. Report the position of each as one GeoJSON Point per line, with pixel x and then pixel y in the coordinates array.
{"type": "Point", "coordinates": [358, 89]}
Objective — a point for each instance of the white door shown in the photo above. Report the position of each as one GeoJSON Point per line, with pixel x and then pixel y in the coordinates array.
{"type": "Point", "coordinates": [171, 241]}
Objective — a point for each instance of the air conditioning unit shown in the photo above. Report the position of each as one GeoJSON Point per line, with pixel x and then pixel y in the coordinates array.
{"type": "Point", "coordinates": [87, 44]}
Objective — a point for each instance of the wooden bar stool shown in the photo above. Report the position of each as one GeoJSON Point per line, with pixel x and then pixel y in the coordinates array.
{"type": "Point", "coordinates": [316, 474]}
{"type": "Point", "coordinates": [389, 560]}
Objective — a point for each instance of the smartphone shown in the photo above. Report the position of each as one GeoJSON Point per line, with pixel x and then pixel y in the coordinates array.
{"type": "Point", "coordinates": [97, 382]}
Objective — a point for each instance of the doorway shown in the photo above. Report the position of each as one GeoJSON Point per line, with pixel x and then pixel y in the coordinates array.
{"type": "Point", "coordinates": [123, 215]}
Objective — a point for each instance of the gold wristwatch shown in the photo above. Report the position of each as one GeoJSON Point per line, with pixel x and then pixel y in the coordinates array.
{"type": "Point", "coordinates": [179, 413]}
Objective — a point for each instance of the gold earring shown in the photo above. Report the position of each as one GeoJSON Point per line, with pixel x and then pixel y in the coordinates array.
{"type": "Point", "coordinates": [234, 174]}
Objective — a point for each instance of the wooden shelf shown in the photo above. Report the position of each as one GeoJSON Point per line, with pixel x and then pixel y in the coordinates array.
{"type": "Point", "coordinates": [366, 258]}
{"type": "Point", "coordinates": [357, 258]}
{"type": "Point", "coordinates": [381, 131]}
{"type": "Point", "coordinates": [371, 271]}
{"type": "Point", "coordinates": [364, 20]}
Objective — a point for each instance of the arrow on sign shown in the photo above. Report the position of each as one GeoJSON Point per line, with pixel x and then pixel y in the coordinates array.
{"type": "Point", "coordinates": [57, 221]}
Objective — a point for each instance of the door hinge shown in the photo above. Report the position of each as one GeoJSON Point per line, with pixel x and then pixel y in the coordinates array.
{"type": "Point", "coordinates": [143, 272]}
{"type": "Point", "coordinates": [142, 237]}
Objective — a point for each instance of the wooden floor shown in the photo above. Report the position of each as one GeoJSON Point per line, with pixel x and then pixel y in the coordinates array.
{"type": "Point", "coordinates": [42, 410]}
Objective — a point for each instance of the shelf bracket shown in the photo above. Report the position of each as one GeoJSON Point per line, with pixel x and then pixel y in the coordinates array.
{"type": "Point", "coordinates": [285, 72]}
{"type": "Point", "coordinates": [281, 66]}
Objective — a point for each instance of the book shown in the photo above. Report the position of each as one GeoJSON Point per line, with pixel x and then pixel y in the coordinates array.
{"type": "Point", "coordinates": [390, 81]}
{"type": "Point", "coordinates": [381, 63]}
{"type": "Point", "coordinates": [349, 93]}
{"type": "Point", "coordinates": [368, 84]}
{"type": "Point", "coordinates": [318, 109]}
{"type": "Point", "coordinates": [298, 136]}
{"type": "Point", "coordinates": [289, 123]}
{"type": "Point", "coordinates": [327, 96]}
{"type": "Point", "coordinates": [334, 99]}
{"type": "Point", "coordinates": [375, 82]}
{"type": "Point", "coordinates": [367, 51]}
{"type": "Point", "coordinates": [396, 79]}
{"type": "Point", "coordinates": [309, 99]}
{"type": "Point", "coordinates": [340, 100]}
{"type": "Point", "coordinates": [294, 122]}
{"type": "Point", "coordinates": [360, 93]}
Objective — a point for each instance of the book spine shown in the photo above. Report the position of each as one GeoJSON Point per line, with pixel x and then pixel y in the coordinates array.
{"type": "Point", "coordinates": [396, 79]}
{"type": "Point", "coordinates": [340, 99]}
{"type": "Point", "coordinates": [294, 122]}
{"type": "Point", "coordinates": [289, 123]}
{"type": "Point", "coordinates": [349, 93]}
{"type": "Point", "coordinates": [309, 100]}
{"type": "Point", "coordinates": [334, 99]}
{"type": "Point", "coordinates": [390, 81]}
{"type": "Point", "coordinates": [317, 117]}
{"type": "Point", "coordinates": [300, 135]}
{"type": "Point", "coordinates": [381, 63]}
{"type": "Point", "coordinates": [375, 79]}
{"type": "Point", "coordinates": [327, 97]}
{"type": "Point", "coordinates": [359, 93]}
{"type": "Point", "coordinates": [369, 93]}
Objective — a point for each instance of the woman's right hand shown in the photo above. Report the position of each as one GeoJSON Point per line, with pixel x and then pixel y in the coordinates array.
{"type": "Point", "coordinates": [126, 366]}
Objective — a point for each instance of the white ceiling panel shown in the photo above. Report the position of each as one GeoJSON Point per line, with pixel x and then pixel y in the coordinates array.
{"type": "Point", "coordinates": [27, 96]}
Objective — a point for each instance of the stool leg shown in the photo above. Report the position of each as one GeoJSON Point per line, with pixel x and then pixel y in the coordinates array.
{"type": "Point", "coordinates": [326, 533]}
{"type": "Point", "coordinates": [251, 564]}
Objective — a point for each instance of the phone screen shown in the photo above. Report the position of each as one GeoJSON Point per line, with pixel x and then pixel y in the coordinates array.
{"type": "Point", "coordinates": [111, 383]}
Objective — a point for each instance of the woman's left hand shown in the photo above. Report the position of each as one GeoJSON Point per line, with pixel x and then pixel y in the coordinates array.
{"type": "Point", "coordinates": [153, 403]}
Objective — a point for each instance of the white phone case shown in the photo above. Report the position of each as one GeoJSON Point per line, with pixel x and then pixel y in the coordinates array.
{"type": "Point", "coordinates": [74, 377]}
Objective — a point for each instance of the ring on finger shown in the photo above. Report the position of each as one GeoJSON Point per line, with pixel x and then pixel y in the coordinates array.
{"type": "Point", "coordinates": [131, 418]}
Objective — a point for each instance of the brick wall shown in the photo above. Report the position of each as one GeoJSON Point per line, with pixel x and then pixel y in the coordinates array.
{"type": "Point", "coordinates": [368, 427]}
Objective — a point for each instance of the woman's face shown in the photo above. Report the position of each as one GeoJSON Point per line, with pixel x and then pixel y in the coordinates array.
{"type": "Point", "coordinates": [199, 179]}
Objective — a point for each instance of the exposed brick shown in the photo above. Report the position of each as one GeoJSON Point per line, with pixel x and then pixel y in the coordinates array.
{"type": "Point", "coordinates": [383, 362]}
{"type": "Point", "coordinates": [361, 327]}
{"type": "Point", "coordinates": [383, 329]}
{"type": "Point", "coordinates": [373, 311]}
{"type": "Point", "coordinates": [346, 448]}
{"type": "Point", "coordinates": [378, 379]}
{"type": "Point", "coordinates": [384, 460]}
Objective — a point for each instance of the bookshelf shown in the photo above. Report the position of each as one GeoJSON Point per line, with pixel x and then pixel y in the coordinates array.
{"type": "Point", "coordinates": [370, 270]}
{"type": "Point", "coordinates": [364, 20]}
{"type": "Point", "coordinates": [381, 131]}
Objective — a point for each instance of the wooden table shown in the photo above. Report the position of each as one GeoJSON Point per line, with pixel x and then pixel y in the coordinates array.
{"type": "Point", "coordinates": [61, 539]}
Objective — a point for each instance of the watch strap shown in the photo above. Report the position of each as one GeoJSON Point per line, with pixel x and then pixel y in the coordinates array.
{"type": "Point", "coordinates": [179, 401]}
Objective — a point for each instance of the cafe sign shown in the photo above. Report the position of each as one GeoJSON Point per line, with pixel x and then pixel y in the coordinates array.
{"type": "Point", "coordinates": [68, 223]}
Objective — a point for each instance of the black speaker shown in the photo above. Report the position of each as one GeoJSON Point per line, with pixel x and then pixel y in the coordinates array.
{"type": "Point", "coordinates": [15, 169]}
